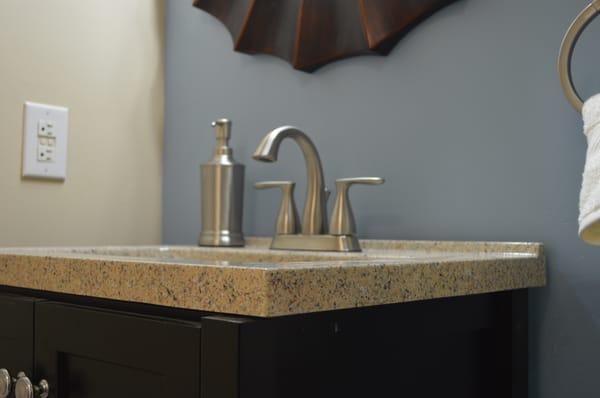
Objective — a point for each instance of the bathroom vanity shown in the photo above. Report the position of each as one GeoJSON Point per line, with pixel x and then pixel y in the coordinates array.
{"type": "Point", "coordinates": [416, 319]}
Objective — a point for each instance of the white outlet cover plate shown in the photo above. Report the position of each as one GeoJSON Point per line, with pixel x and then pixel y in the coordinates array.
{"type": "Point", "coordinates": [57, 117]}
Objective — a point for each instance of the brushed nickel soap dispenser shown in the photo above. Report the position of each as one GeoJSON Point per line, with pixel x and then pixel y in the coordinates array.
{"type": "Point", "coordinates": [222, 193]}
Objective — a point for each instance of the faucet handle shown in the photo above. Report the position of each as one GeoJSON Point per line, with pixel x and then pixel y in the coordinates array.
{"type": "Point", "coordinates": [288, 221]}
{"type": "Point", "coordinates": [342, 218]}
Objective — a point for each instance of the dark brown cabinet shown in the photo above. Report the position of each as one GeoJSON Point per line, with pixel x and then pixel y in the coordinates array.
{"type": "Point", "coordinates": [463, 347]}
{"type": "Point", "coordinates": [16, 334]}
{"type": "Point", "coordinates": [89, 353]}
{"type": "Point", "coordinates": [84, 352]}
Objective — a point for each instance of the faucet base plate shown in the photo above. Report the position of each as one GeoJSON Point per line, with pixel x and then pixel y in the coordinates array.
{"type": "Point", "coordinates": [330, 243]}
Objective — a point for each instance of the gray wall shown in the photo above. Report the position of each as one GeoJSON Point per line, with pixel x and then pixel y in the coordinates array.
{"type": "Point", "coordinates": [466, 121]}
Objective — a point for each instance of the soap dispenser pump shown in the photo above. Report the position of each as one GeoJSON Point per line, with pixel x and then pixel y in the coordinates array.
{"type": "Point", "coordinates": [222, 184]}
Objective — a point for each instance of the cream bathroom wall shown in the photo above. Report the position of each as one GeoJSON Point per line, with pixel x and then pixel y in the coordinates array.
{"type": "Point", "coordinates": [104, 61]}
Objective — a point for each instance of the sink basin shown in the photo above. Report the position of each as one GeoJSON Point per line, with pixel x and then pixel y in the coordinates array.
{"type": "Point", "coordinates": [247, 255]}
{"type": "Point", "coordinates": [257, 254]}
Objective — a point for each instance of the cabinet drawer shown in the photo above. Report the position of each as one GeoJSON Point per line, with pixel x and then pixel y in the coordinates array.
{"type": "Point", "coordinates": [16, 333]}
{"type": "Point", "coordinates": [91, 353]}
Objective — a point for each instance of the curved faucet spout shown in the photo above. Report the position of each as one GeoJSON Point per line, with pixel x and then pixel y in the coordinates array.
{"type": "Point", "coordinates": [314, 217]}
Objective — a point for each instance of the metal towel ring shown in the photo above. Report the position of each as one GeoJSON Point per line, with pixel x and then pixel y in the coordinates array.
{"type": "Point", "coordinates": [566, 52]}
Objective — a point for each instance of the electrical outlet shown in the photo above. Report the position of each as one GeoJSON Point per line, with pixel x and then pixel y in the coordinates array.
{"type": "Point", "coordinates": [45, 132]}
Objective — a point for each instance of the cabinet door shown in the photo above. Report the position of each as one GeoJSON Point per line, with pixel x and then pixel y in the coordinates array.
{"type": "Point", "coordinates": [16, 333]}
{"type": "Point", "coordinates": [89, 353]}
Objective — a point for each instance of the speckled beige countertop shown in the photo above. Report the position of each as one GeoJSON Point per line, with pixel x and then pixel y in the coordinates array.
{"type": "Point", "coordinates": [260, 282]}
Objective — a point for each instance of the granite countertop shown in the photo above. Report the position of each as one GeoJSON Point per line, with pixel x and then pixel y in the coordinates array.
{"type": "Point", "coordinates": [260, 282]}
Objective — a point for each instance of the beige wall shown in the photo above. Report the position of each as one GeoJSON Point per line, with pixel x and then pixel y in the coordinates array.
{"type": "Point", "coordinates": [104, 61]}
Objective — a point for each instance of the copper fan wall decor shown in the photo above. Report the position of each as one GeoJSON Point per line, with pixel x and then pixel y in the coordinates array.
{"type": "Point", "coordinates": [311, 33]}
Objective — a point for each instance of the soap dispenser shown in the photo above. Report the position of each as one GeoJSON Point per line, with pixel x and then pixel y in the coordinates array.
{"type": "Point", "coordinates": [222, 181]}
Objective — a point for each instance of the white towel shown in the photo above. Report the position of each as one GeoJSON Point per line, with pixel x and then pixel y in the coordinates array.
{"type": "Point", "coordinates": [589, 199]}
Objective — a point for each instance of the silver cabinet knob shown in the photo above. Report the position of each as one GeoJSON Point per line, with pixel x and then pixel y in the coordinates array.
{"type": "Point", "coordinates": [288, 222]}
{"type": "Point", "coordinates": [342, 218]}
{"type": "Point", "coordinates": [25, 389]}
{"type": "Point", "coordinates": [5, 383]}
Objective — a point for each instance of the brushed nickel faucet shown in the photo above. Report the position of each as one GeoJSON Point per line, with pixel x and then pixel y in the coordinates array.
{"type": "Point", "coordinates": [313, 234]}
{"type": "Point", "coordinates": [314, 217]}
